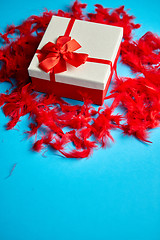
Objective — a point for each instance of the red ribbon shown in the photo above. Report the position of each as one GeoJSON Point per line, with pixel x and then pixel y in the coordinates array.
{"type": "Point", "coordinates": [54, 56]}
{"type": "Point", "coordinates": [57, 55]}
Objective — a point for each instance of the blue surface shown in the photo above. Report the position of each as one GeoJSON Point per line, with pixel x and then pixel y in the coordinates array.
{"type": "Point", "coordinates": [115, 194]}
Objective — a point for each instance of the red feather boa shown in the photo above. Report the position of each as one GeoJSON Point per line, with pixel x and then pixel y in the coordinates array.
{"type": "Point", "coordinates": [88, 127]}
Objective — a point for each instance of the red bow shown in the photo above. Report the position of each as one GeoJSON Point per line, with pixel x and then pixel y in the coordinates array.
{"type": "Point", "coordinates": [56, 55]}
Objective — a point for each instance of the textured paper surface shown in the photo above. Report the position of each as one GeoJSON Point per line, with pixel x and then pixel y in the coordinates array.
{"type": "Point", "coordinates": [98, 40]}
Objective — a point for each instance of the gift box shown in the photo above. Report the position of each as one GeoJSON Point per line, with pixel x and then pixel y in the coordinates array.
{"type": "Point", "coordinates": [76, 58]}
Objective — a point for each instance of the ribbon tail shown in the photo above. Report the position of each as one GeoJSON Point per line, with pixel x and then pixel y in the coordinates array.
{"type": "Point", "coordinates": [61, 66]}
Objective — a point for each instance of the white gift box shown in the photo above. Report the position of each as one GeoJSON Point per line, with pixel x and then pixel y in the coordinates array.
{"type": "Point", "coordinates": [99, 41]}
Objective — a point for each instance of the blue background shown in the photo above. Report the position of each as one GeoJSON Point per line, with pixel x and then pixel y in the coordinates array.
{"type": "Point", "coordinates": [115, 194]}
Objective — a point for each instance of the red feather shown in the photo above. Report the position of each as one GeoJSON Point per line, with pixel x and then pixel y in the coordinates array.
{"type": "Point", "coordinates": [58, 123]}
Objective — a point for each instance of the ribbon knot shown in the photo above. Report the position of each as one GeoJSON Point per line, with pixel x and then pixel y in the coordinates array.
{"type": "Point", "coordinates": [54, 56]}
